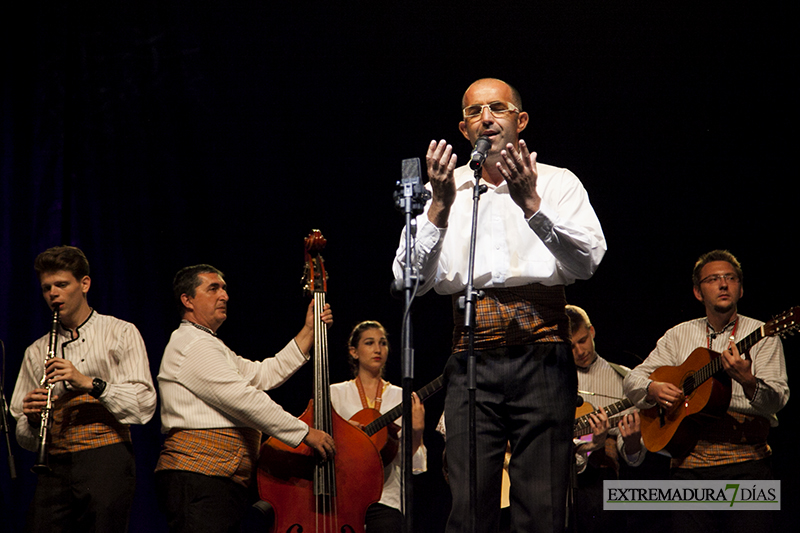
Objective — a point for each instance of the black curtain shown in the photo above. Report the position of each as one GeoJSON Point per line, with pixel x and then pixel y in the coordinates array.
{"type": "Point", "coordinates": [157, 134]}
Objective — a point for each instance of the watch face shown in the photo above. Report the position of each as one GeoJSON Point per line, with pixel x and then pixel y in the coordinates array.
{"type": "Point", "coordinates": [98, 386]}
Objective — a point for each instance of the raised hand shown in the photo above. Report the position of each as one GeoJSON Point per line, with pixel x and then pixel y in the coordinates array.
{"type": "Point", "coordinates": [518, 167]}
{"type": "Point", "coordinates": [441, 162]}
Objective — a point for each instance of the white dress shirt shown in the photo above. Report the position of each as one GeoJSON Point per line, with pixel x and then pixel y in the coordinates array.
{"type": "Point", "coordinates": [562, 242]}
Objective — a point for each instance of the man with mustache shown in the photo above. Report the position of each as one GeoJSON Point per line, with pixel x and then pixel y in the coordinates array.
{"type": "Point", "coordinates": [537, 232]}
{"type": "Point", "coordinates": [734, 447]}
{"type": "Point", "coordinates": [213, 409]}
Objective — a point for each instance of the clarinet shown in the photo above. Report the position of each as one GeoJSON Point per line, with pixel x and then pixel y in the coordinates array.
{"type": "Point", "coordinates": [41, 466]}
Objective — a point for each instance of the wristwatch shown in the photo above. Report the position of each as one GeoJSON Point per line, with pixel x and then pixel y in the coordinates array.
{"type": "Point", "coordinates": [98, 386]}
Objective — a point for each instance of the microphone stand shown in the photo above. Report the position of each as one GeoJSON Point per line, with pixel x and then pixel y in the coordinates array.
{"type": "Point", "coordinates": [572, 505]}
{"type": "Point", "coordinates": [410, 198]}
{"type": "Point", "coordinates": [4, 427]}
{"type": "Point", "coordinates": [467, 304]}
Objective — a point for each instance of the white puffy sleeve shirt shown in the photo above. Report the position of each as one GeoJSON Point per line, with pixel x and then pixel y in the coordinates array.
{"type": "Point", "coordinates": [104, 347]}
{"type": "Point", "coordinates": [205, 385]}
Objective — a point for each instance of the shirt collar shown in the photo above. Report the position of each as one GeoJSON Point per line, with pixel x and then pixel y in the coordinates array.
{"type": "Point", "coordinates": [713, 334]}
{"type": "Point", "coordinates": [585, 369]}
{"type": "Point", "coordinates": [198, 326]}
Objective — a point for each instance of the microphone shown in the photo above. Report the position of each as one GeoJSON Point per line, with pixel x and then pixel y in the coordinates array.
{"type": "Point", "coordinates": [478, 155]}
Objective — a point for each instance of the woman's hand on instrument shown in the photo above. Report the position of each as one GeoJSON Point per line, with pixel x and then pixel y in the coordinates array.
{"type": "Point", "coordinates": [326, 316]}
{"type": "Point", "coordinates": [355, 424]}
{"type": "Point", "coordinates": [321, 442]}
{"type": "Point", "coordinates": [417, 421]}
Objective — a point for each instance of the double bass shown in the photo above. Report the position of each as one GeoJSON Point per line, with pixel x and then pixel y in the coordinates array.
{"type": "Point", "coordinates": [307, 494]}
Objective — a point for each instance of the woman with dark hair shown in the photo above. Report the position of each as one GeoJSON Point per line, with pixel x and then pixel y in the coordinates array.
{"type": "Point", "coordinates": [368, 351]}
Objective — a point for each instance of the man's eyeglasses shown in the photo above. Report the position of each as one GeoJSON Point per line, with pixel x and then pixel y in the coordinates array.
{"type": "Point", "coordinates": [498, 109]}
{"type": "Point", "coordinates": [716, 278]}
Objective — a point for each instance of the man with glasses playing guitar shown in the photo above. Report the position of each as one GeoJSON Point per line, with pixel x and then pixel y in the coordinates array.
{"type": "Point", "coordinates": [727, 439]}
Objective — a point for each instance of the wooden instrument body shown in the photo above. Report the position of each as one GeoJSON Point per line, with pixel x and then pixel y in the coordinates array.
{"type": "Point", "coordinates": [676, 429]}
{"type": "Point", "coordinates": [582, 425]}
{"type": "Point", "coordinates": [376, 424]}
{"type": "Point", "coordinates": [385, 439]}
{"type": "Point", "coordinates": [286, 480]}
{"type": "Point", "coordinates": [583, 410]}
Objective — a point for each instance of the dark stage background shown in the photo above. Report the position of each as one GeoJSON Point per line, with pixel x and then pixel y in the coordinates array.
{"type": "Point", "coordinates": [157, 134]}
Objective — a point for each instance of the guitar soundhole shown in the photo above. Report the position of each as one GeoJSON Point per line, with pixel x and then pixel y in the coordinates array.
{"type": "Point", "coordinates": [687, 384]}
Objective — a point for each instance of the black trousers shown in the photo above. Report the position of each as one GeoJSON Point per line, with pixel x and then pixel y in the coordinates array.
{"type": "Point", "coordinates": [196, 503]}
{"type": "Point", "coordinates": [526, 397]}
{"type": "Point", "coordinates": [383, 519]}
{"type": "Point", "coordinates": [724, 521]}
{"type": "Point", "coordinates": [87, 492]}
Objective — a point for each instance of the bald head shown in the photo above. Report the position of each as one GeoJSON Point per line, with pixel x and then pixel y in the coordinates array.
{"type": "Point", "coordinates": [492, 84]}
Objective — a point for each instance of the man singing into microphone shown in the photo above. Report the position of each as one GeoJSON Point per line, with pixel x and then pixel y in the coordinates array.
{"type": "Point", "coordinates": [537, 232]}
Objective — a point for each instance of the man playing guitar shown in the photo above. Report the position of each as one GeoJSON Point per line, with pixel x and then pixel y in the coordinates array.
{"type": "Point", "coordinates": [732, 445]}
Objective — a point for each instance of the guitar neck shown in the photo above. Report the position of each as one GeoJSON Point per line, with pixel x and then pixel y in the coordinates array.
{"type": "Point", "coordinates": [749, 341]}
{"type": "Point", "coordinates": [582, 423]}
{"type": "Point", "coordinates": [393, 414]}
{"type": "Point", "coordinates": [709, 370]}
{"type": "Point", "coordinates": [612, 422]}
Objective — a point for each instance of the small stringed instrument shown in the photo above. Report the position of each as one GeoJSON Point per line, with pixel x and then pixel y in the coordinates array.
{"type": "Point", "coordinates": [309, 495]}
{"type": "Point", "coordinates": [582, 426]}
{"type": "Point", "coordinates": [706, 391]}
{"type": "Point", "coordinates": [381, 428]}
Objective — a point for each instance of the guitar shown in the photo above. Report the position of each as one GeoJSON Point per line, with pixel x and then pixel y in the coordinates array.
{"type": "Point", "coordinates": [706, 391]}
{"type": "Point", "coordinates": [582, 426]}
{"type": "Point", "coordinates": [386, 443]}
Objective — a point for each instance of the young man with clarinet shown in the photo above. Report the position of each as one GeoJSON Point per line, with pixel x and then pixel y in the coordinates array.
{"type": "Point", "coordinates": [78, 390]}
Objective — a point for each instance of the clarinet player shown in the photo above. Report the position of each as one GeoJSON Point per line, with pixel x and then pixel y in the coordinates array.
{"type": "Point", "coordinates": [100, 383]}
